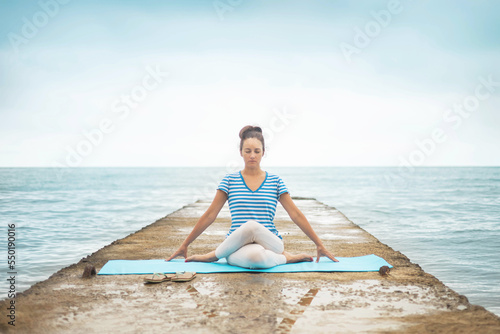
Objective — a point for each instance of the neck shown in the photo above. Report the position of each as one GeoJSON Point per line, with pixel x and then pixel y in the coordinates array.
{"type": "Point", "coordinates": [252, 171]}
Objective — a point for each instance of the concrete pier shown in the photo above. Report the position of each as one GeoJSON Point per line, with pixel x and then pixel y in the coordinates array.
{"type": "Point", "coordinates": [408, 300]}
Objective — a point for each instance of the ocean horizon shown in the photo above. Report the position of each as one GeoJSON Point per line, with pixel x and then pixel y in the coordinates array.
{"type": "Point", "coordinates": [446, 219]}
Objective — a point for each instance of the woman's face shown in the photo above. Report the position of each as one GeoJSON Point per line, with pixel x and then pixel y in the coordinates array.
{"type": "Point", "coordinates": [252, 152]}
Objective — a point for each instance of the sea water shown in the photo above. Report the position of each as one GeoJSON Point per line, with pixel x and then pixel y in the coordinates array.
{"type": "Point", "coordinates": [446, 219]}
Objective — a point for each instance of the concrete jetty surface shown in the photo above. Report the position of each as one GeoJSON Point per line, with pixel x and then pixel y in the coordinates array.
{"type": "Point", "coordinates": [408, 300]}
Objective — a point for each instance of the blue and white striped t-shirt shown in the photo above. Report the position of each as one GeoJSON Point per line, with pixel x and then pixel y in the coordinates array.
{"type": "Point", "coordinates": [259, 205]}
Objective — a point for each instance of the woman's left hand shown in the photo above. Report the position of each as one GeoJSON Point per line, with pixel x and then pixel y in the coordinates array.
{"type": "Point", "coordinates": [323, 251]}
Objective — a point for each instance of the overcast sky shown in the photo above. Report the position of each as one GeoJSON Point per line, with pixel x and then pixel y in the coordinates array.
{"type": "Point", "coordinates": [171, 83]}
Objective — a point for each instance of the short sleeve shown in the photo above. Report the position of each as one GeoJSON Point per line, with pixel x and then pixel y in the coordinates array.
{"type": "Point", "coordinates": [281, 188]}
{"type": "Point", "coordinates": [224, 184]}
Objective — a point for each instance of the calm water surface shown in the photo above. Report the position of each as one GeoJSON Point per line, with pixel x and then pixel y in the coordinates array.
{"type": "Point", "coordinates": [445, 219]}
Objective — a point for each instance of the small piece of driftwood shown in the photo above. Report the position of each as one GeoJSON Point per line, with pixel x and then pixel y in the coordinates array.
{"type": "Point", "coordinates": [384, 270]}
{"type": "Point", "coordinates": [89, 271]}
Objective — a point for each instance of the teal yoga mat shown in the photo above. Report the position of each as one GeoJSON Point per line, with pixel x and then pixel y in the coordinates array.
{"type": "Point", "coordinates": [131, 267]}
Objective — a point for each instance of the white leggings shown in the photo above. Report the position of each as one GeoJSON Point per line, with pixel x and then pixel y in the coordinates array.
{"type": "Point", "coordinates": [252, 246]}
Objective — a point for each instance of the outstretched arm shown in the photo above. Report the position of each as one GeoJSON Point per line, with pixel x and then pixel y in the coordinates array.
{"type": "Point", "coordinates": [301, 221]}
{"type": "Point", "coordinates": [205, 221]}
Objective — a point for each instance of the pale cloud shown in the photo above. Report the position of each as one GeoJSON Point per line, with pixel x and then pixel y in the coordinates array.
{"type": "Point", "coordinates": [67, 83]}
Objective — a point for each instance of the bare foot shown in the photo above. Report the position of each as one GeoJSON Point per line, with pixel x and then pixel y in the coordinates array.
{"type": "Point", "coordinates": [294, 258]}
{"type": "Point", "coordinates": [209, 257]}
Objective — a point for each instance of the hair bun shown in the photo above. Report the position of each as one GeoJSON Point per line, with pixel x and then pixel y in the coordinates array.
{"type": "Point", "coordinates": [250, 131]}
{"type": "Point", "coordinates": [249, 128]}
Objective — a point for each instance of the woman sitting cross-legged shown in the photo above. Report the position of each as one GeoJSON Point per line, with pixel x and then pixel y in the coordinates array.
{"type": "Point", "coordinates": [253, 194]}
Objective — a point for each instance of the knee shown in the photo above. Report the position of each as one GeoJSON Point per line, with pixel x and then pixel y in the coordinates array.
{"type": "Point", "coordinates": [256, 259]}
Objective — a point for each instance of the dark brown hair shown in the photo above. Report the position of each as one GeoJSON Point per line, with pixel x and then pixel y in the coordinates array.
{"type": "Point", "coordinates": [250, 131]}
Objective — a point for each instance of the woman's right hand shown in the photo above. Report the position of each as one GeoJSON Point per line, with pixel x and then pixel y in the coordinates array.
{"type": "Point", "coordinates": [205, 220]}
{"type": "Point", "coordinates": [182, 251]}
